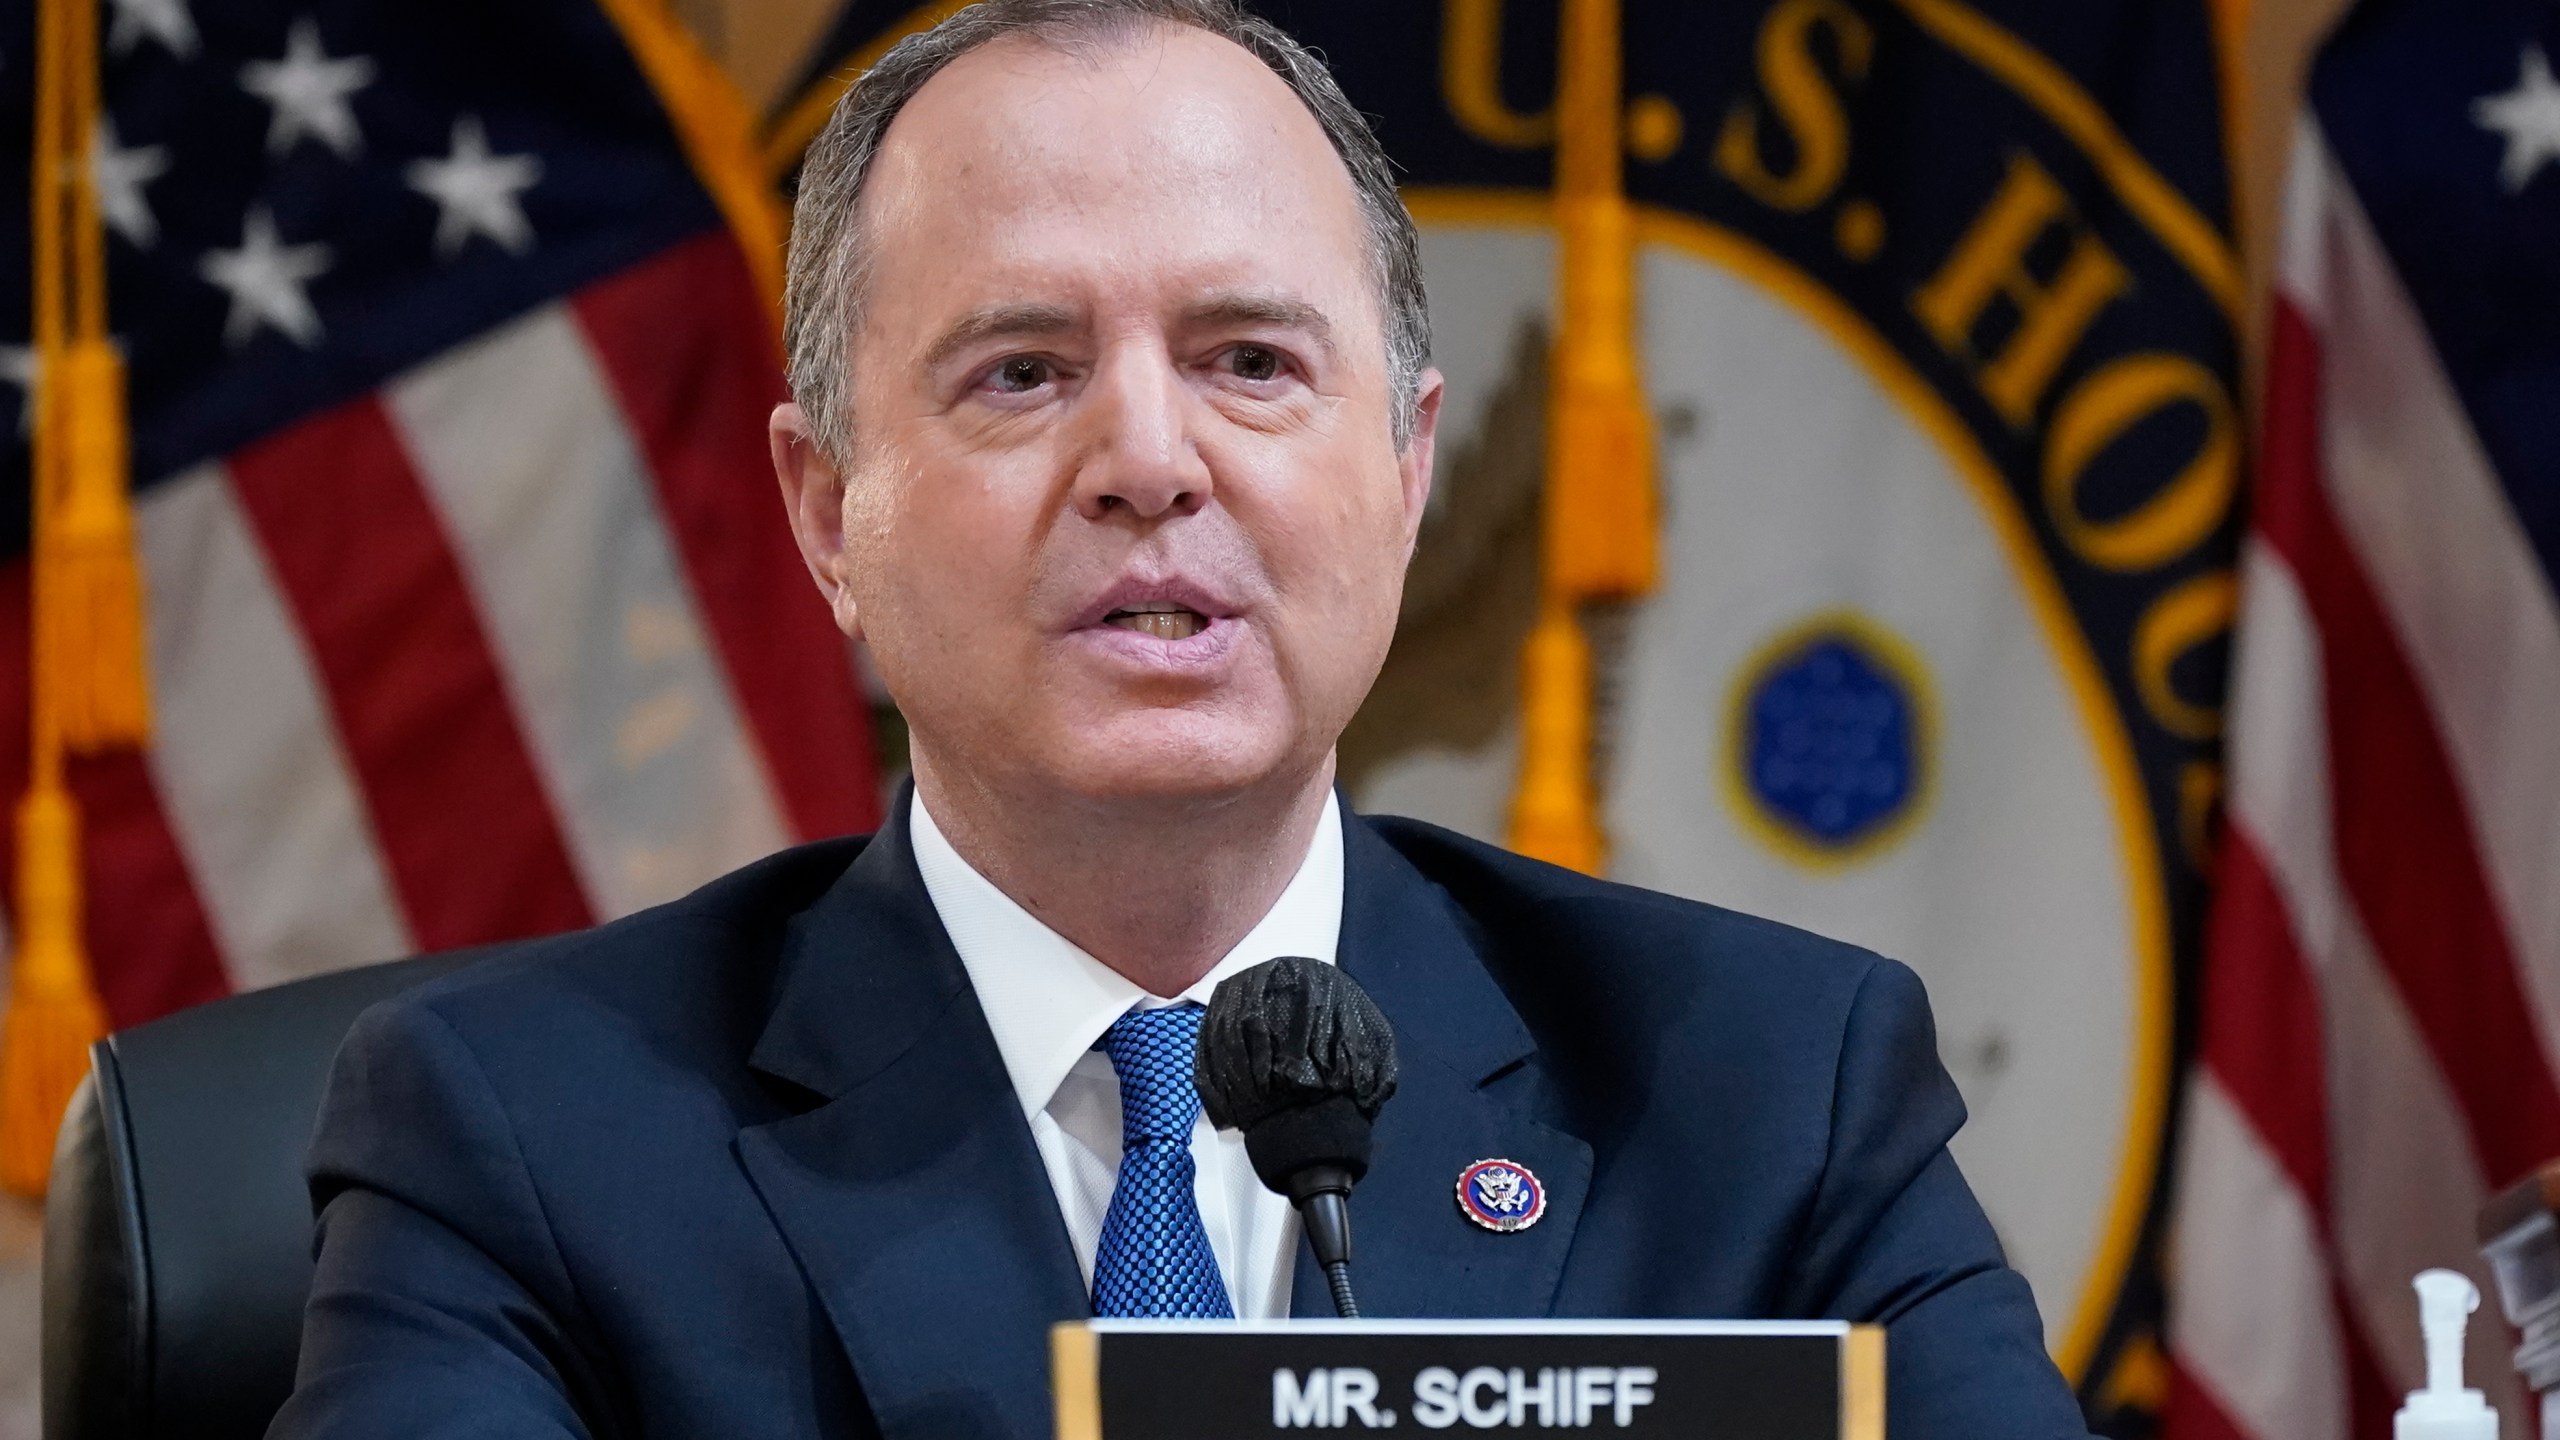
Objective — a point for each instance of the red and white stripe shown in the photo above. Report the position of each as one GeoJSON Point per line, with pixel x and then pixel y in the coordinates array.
{"type": "Point", "coordinates": [516, 643]}
{"type": "Point", "coordinates": [2381, 1002]}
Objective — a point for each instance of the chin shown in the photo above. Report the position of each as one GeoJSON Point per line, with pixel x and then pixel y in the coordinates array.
{"type": "Point", "coordinates": [1175, 756]}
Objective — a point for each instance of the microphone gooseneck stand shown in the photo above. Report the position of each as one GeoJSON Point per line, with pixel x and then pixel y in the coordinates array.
{"type": "Point", "coordinates": [1296, 1055]}
{"type": "Point", "coordinates": [1325, 1210]}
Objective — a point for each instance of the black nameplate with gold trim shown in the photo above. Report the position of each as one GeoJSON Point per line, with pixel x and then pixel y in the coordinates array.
{"type": "Point", "coordinates": [1219, 1380]}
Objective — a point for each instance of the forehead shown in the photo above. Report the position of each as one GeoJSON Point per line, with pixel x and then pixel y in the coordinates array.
{"type": "Point", "coordinates": [1168, 156]}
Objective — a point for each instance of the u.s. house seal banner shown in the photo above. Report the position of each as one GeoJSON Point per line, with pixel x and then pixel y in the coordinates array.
{"type": "Point", "coordinates": [1936, 304]}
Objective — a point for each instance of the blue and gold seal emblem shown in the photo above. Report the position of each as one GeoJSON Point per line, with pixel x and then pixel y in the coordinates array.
{"type": "Point", "coordinates": [1830, 738]}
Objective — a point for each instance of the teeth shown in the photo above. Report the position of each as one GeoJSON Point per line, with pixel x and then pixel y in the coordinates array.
{"type": "Point", "coordinates": [1175, 624]}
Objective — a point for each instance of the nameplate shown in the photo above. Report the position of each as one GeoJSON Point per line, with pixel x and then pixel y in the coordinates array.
{"type": "Point", "coordinates": [1220, 1380]}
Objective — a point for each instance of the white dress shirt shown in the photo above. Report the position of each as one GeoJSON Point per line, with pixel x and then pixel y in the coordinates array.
{"type": "Point", "coordinates": [1048, 1002]}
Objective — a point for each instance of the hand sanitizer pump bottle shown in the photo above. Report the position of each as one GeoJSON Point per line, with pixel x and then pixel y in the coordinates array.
{"type": "Point", "coordinates": [2445, 1410]}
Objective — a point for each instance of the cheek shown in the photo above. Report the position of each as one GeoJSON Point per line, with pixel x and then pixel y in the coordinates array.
{"type": "Point", "coordinates": [1367, 519]}
{"type": "Point", "coordinates": [927, 547]}
{"type": "Point", "coordinates": [872, 499]}
{"type": "Point", "coordinates": [1342, 547]}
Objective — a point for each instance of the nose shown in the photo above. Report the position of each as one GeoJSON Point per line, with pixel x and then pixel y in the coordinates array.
{"type": "Point", "coordinates": [1139, 457]}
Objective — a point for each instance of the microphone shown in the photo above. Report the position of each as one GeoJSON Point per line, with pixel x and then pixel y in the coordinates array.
{"type": "Point", "coordinates": [1296, 1055]}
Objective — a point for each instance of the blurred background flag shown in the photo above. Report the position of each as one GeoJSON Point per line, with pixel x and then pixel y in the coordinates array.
{"type": "Point", "coordinates": [2381, 1004]}
{"type": "Point", "coordinates": [1908, 623]}
{"type": "Point", "coordinates": [449, 333]}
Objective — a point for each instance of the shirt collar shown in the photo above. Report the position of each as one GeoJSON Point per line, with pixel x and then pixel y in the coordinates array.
{"type": "Point", "coordinates": [1048, 1001]}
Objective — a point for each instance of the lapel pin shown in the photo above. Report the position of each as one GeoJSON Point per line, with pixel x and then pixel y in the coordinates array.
{"type": "Point", "coordinates": [1501, 1195]}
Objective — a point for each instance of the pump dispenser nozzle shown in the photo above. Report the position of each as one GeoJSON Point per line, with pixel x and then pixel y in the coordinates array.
{"type": "Point", "coordinates": [2445, 1410]}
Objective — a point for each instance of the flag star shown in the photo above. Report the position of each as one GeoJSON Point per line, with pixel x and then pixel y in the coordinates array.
{"type": "Point", "coordinates": [309, 90]}
{"type": "Point", "coordinates": [477, 193]}
{"type": "Point", "coordinates": [265, 279]}
{"type": "Point", "coordinates": [166, 21]}
{"type": "Point", "coordinates": [18, 367]}
{"type": "Point", "coordinates": [2528, 115]}
{"type": "Point", "coordinates": [119, 175]}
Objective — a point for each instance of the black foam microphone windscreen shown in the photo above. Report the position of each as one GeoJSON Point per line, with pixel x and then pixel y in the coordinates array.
{"type": "Point", "coordinates": [1296, 1055]}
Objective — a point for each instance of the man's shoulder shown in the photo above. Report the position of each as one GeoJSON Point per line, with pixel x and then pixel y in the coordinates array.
{"type": "Point", "coordinates": [1530, 915]}
{"type": "Point", "coordinates": [692, 962]}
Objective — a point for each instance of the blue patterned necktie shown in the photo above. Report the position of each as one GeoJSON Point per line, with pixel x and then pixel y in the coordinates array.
{"type": "Point", "coordinates": [1154, 1259]}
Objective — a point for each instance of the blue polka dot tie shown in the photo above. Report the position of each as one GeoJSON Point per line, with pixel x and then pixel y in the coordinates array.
{"type": "Point", "coordinates": [1154, 1259]}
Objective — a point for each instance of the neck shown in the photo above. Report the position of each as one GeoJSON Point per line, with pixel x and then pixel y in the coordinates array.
{"type": "Point", "coordinates": [1158, 890]}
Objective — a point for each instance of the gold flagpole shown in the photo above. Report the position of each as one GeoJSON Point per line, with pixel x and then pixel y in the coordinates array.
{"type": "Point", "coordinates": [86, 680]}
{"type": "Point", "coordinates": [1598, 515]}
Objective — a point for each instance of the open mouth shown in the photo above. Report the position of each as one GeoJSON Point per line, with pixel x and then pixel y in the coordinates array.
{"type": "Point", "coordinates": [1163, 619]}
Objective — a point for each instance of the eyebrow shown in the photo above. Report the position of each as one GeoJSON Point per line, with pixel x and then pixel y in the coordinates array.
{"type": "Point", "coordinates": [994, 320]}
{"type": "Point", "coordinates": [1232, 308]}
{"type": "Point", "coordinates": [1255, 308]}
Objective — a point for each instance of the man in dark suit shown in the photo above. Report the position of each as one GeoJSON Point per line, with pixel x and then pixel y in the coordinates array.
{"type": "Point", "coordinates": [1112, 432]}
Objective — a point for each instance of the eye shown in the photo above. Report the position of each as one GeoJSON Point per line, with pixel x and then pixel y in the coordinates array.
{"type": "Point", "coordinates": [1254, 362]}
{"type": "Point", "coordinates": [1020, 374]}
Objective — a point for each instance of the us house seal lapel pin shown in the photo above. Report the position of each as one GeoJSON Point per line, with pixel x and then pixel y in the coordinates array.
{"type": "Point", "coordinates": [1501, 1195]}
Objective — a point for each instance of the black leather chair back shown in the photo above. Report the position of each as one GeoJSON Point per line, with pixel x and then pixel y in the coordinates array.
{"type": "Point", "coordinates": [177, 1247]}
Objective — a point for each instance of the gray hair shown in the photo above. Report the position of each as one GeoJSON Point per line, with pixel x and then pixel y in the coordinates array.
{"type": "Point", "coordinates": [822, 296]}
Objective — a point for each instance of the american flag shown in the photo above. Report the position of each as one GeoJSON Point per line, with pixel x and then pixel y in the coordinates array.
{"type": "Point", "coordinates": [472, 610]}
{"type": "Point", "coordinates": [2381, 1006]}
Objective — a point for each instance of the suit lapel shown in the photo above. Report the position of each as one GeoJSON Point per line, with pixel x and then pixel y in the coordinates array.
{"type": "Point", "coordinates": [912, 1195]}
{"type": "Point", "coordinates": [1414, 1253]}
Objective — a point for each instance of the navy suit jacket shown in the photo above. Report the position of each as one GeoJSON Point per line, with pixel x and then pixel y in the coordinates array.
{"type": "Point", "coordinates": [749, 1164]}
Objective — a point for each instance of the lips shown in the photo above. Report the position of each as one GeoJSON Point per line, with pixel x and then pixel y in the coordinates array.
{"type": "Point", "coordinates": [1172, 609]}
{"type": "Point", "coordinates": [1163, 619]}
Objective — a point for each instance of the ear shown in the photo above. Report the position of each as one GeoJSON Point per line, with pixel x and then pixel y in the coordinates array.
{"type": "Point", "coordinates": [813, 496]}
{"type": "Point", "coordinates": [1414, 466]}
